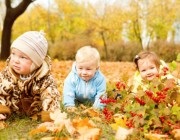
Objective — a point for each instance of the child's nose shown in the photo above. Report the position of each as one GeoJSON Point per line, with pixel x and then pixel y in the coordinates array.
{"type": "Point", "coordinates": [16, 59]}
{"type": "Point", "coordinates": [84, 71]}
{"type": "Point", "coordinates": [148, 72]}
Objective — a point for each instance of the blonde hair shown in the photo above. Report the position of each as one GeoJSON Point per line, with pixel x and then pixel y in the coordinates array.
{"type": "Point", "coordinates": [147, 54]}
{"type": "Point", "coordinates": [87, 53]}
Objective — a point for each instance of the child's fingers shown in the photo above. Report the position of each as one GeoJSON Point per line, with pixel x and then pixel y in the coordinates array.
{"type": "Point", "coordinates": [2, 117]}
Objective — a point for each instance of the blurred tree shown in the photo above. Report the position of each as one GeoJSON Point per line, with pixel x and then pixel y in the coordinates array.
{"type": "Point", "coordinates": [161, 17]}
{"type": "Point", "coordinates": [151, 19]}
{"type": "Point", "coordinates": [104, 24]}
{"type": "Point", "coordinates": [38, 18]}
{"type": "Point", "coordinates": [12, 13]}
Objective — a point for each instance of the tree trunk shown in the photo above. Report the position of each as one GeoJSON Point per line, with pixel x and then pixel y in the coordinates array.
{"type": "Point", "coordinates": [11, 15]}
{"type": "Point", "coordinates": [105, 45]}
{"type": "Point", "coordinates": [6, 39]}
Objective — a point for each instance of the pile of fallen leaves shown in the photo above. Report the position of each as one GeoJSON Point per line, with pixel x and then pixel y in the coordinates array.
{"type": "Point", "coordinates": [77, 128]}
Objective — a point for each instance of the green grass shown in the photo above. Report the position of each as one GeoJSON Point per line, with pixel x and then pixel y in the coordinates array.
{"type": "Point", "coordinates": [18, 128]}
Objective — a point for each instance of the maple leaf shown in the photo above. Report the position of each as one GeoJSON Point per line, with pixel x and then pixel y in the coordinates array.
{"type": "Point", "coordinates": [89, 133]}
{"type": "Point", "coordinates": [38, 130]}
{"type": "Point", "coordinates": [69, 127]}
{"type": "Point", "coordinates": [57, 116]}
{"type": "Point", "coordinates": [120, 120]}
{"type": "Point", "coordinates": [91, 112]}
{"type": "Point", "coordinates": [155, 136]}
{"type": "Point", "coordinates": [122, 133]}
{"type": "Point", "coordinates": [86, 129]}
{"type": "Point", "coordinates": [60, 120]}
{"type": "Point", "coordinates": [176, 133]}
{"type": "Point", "coordinates": [2, 125]}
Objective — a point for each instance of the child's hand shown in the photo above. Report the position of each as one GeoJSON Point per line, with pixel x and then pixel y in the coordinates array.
{"type": "Point", "coordinates": [2, 117]}
{"type": "Point", "coordinates": [71, 109]}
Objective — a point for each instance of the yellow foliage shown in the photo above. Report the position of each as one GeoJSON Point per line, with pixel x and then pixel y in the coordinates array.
{"type": "Point", "coordinates": [155, 136]}
{"type": "Point", "coordinates": [38, 130]}
{"type": "Point", "coordinates": [120, 121]}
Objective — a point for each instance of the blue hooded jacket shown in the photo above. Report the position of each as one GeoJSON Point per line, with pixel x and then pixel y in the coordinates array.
{"type": "Point", "coordinates": [75, 88]}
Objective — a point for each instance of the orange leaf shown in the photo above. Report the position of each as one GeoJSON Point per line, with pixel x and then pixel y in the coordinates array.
{"type": "Point", "coordinates": [38, 130]}
{"type": "Point", "coordinates": [2, 125]}
{"type": "Point", "coordinates": [85, 128]}
{"type": "Point", "coordinates": [91, 112]}
{"type": "Point", "coordinates": [89, 133]}
{"type": "Point", "coordinates": [83, 122]}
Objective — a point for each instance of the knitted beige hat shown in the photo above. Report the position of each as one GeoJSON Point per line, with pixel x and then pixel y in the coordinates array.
{"type": "Point", "coordinates": [34, 45]}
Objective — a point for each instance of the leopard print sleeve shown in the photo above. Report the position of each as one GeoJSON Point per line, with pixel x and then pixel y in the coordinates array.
{"type": "Point", "coordinates": [50, 96]}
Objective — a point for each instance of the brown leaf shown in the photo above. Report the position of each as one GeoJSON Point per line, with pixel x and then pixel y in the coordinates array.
{"type": "Point", "coordinates": [2, 125]}
{"type": "Point", "coordinates": [176, 133]}
{"type": "Point", "coordinates": [89, 133]}
{"type": "Point", "coordinates": [91, 112]}
{"type": "Point", "coordinates": [85, 128]}
{"type": "Point", "coordinates": [69, 127]}
{"type": "Point", "coordinates": [122, 133]}
{"type": "Point", "coordinates": [38, 130]}
{"type": "Point", "coordinates": [155, 136]}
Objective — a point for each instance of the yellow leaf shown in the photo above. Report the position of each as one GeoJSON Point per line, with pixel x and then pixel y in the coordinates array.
{"type": "Point", "coordinates": [114, 126]}
{"type": "Point", "coordinates": [86, 129]}
{"type": "Point", "coordinates": [176, 133]}
{"type": "Point", "coordinates": [58, 117]}
{"type": "Point", "coordinates": [122, 133]}
{"type": "Point", "coordinates": [89, 133]}
{"type": "Point", "coordinates": [38, 130]}
{"type": "Point", "coordinates": [70, 127]}
{"type": "Point", "coordinates": [120, 120]}
{"type": "Point", "coordinates": [91, 112]}
{"type": "Point", "coordinates": [155, 136]}
{"type": "Point", "coordinates": [83, 122]}
{"type": "Point", "coordinates": [2, 125]}
{"type": "Point", "coordinates": [45, 117]}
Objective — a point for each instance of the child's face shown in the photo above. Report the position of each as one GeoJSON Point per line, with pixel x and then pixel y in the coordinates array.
{"type": "Point", "coordinates": [148, 70]}
{"type": "Point", "coordinates": [20, 62]}
{"type": "Point", "coordinates": [86, 70]}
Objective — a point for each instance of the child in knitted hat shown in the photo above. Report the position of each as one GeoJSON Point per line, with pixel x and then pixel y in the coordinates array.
{"type": "Point", "coordinates": [27, 86]}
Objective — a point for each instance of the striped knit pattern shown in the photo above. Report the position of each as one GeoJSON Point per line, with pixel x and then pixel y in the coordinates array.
{"type": "Point", "coordinates": [34, 45]}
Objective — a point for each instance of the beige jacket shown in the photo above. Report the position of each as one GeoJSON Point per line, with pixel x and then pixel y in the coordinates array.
{"type": "Point", "coordinates": [29, 96]}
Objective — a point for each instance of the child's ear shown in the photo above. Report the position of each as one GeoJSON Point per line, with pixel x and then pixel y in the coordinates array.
{"type": "Point", "coordinates": [97, 68]}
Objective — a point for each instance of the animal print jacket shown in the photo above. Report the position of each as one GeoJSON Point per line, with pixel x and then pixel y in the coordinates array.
{"type": "Point", "coordinates": [31, 96]}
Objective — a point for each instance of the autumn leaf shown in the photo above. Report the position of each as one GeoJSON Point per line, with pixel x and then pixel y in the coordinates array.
{"type": "Point", "coordinates": [91, 112]}
{"type": "Point", "coordinates": [57, 116]}
{"type": "Point", "coordinates": [86, 129]}
{"type": "Point", "coordinates": [122, 133]}
{"type": "Point", "coordinates": [89, 133]}
{"type": "Point", "coordinates": [38, 130]}
{"type": "Point", "coordinates": [2, 125]}
{"type": "Point", "coordinates": [176, 134]}
{"type": "Point", "coordinates": [120, 121]}
{"type": "Point", "coordinates": [59, 122]}
{"type": "Point", "coordinates": [69, 127]}
{"type": "Point", "coordinates": [155, 136]}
